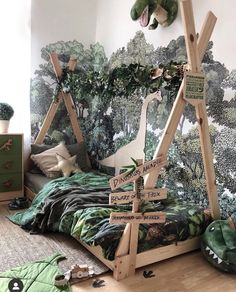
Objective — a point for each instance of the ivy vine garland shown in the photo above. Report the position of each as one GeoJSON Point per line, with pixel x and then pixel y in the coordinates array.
{"type": "Point", "coordinates": [121, 81]}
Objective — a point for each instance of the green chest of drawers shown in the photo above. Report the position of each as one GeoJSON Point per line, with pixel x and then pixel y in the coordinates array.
{"type": "Point", "coordinates": [11, 166]}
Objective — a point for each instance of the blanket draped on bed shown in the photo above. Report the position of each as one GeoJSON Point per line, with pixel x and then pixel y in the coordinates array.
{"type": "Point", "coordinates": [79, 205]}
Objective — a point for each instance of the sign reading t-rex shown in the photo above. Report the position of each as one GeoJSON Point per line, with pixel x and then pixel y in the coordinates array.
{"type": "Point", "coordinates": [129, 197]}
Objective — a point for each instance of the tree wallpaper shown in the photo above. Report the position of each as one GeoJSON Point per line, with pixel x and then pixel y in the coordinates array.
{"type": "Point", "coordinates": [109, 94]}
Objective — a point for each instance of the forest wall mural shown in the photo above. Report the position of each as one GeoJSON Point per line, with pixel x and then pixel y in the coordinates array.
{"type": "Point", "coordinates": [109, 94]}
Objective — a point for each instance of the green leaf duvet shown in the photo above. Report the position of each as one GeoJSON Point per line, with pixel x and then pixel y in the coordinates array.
{"type": "Point", "coordinates": [79, 205]}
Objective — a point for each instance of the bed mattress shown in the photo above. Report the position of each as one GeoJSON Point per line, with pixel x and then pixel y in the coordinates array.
{"type": "Point", "coordinates": [79, 206]}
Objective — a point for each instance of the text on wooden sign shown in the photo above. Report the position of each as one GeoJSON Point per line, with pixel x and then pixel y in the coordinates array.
{"type": "Point", "coordinates": [141, 170]}
{"type": "Point", "coordinates": [149, 217]}
{"type": "Point", "coordinates": [146, 194]}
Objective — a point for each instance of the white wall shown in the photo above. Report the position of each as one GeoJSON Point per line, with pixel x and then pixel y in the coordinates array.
{"type": "Point", "coordinates": [66, 20]}
{"type": "Point", "coordinates": [15, 62]}
{"type": "Point", "coordinates": [115, 27]}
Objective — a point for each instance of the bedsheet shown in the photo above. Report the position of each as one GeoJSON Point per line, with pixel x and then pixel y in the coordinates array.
{"type": "Point", "coordinates": [79, 206]}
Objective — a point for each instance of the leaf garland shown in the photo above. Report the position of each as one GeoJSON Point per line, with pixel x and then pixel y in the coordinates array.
{"type": "Point", "coordinates": [124, 80]}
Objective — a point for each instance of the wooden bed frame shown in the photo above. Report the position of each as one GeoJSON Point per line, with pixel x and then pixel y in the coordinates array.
{"type": "Point", "coordinates": [126, 257]}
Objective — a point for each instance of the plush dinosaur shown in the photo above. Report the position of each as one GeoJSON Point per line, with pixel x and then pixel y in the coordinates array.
{"type": "Point", "coordinates": [164, 12]}
{"type": "Point", "coordinates": [218, 245]}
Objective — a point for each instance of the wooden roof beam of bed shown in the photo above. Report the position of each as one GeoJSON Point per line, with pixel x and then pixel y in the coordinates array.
{"type": "Point", "coordinates": [55, 104]}
{"type": "Point", "coordinates": [195, 52]}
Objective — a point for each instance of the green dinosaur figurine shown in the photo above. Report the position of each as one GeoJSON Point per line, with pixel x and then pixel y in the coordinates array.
{"type": "Point", "coordinates": [144, 9]}
{"type": "Point", "coordinates": [218, 245]}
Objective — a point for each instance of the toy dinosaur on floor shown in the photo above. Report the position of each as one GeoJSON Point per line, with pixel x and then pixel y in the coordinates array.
{"type": "Point", "coordinates": [164, 12]}
{"type": "Point", "coordinates": [218, 245]}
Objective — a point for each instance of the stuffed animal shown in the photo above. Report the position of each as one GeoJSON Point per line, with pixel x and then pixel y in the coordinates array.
{"type": "Point", "coordinates": [218, 245]}
{"type": "Point", "coordinates": [163, 11]}
{"type": "Point", "coordinates": [66, 166]}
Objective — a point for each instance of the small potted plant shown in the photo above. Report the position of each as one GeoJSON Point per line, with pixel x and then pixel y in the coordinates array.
{"type": "Point", "coordinates": [6, 113]}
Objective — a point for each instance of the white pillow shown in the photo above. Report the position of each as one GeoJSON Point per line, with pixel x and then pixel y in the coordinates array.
{"type": "Point", "coordinates": [47, 159]}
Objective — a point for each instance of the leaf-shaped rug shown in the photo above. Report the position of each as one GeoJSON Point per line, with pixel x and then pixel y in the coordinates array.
{"type": "Point", "coordinates": [37, 276]}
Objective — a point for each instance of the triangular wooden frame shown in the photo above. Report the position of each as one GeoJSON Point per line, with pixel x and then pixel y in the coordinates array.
{"type": "Point", "coordinates": [125, 261]}
{"type": "Point", "coordinates": [195, 51]}
{"type": "Point", "coordinates": [66, 97]}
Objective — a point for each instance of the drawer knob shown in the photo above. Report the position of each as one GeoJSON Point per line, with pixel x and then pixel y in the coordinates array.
{"type": "Point", "coordinates": [7, 165]}
{"type": "Point", "coordinates": [7, 145]}
{"type": "Point", "coordinates": [8, 183]}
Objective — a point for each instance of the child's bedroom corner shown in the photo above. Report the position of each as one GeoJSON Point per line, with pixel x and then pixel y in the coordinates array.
{"type": "Point", "coordinates": [118, 146]}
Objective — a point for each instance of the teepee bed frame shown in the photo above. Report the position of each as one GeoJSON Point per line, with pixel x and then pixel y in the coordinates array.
{"type": "Point", "coordinates": [126, 257]}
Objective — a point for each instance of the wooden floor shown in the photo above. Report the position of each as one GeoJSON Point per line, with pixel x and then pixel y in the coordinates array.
{"type": "Point", "coordinates": [189, 272]}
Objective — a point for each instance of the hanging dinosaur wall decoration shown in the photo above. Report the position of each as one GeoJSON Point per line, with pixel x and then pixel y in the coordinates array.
{"type": "Point", "coordinates": [164, 12]}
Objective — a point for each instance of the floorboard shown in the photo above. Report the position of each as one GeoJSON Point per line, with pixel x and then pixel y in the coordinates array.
{"type": "Point", "coordinates": [189, 272]}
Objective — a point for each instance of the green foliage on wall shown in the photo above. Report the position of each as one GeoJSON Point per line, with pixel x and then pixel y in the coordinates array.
{"type": "Point", "coordinates": [109, 94]}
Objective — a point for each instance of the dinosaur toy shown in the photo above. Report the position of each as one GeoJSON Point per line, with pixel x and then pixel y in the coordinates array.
{"type": "Point", "coordinates": [218, 245]}
{"type": "Point", "coordinates": [163, 11]}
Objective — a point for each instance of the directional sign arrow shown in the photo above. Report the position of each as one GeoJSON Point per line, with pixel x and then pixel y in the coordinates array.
{"type": "Point", "coordinates": [128, 197]}
{"type": "Point", "coordinates": [141, 170]}
{"type": "Point", "coordinates": [149, 217]}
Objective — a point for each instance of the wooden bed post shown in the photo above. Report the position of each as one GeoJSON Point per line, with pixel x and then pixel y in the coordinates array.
{"type": "Point", "coordinates": [66, 97]}
{"type": "Point", "coordinates": [195, 52]}
{"type": "Point", "coordinates": [126, 253]}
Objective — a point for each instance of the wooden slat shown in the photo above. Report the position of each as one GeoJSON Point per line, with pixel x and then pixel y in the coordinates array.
{"type": "Point", "coordinates": [48, 120]}
{"type": "Point", "coordinates": [194, 61]}
{"type": "Point", "coordinates": [56, 65]}
{"type": "Point", "coordinates": [190, 35]}
{"type": "Point", "coordinates": [165, 252]}
{"type": "Point", "coordinates": [72, 63]}
{"type": "Point", "coordinates": [167, 135]}
{"type": "Point", "coordinates": [123, 247]}
{"type": "Point", "coordinates": [150, 256]}
{"type": "Point", "coordinates": [205, 33]}
{"type": "Point", "coordinates": [121, 267]}
{"type": "Point", "coordinates": [179, 104]}
{"type": "Point", "coordinates": [201, 113]}
{"type": "Point", "coordinates": [97, 251]}
{"type": "Point", "coordinates": [208, 160]}
{"type": "Point", "coordinates": [133, 247]}
{"type": "Point", "coordinates": [73, 116]}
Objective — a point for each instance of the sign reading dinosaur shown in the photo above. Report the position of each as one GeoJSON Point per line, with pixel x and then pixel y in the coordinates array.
{"type": "Point", "coordinates": [149, 217]}
{"type": "Point", "coordinates": [141, 170]}
{"type": "Point", "coordinates": [128, 197]}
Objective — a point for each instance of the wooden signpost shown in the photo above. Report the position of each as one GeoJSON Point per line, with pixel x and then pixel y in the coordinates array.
{"type": "Point", "coordinates": [136, 217]}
